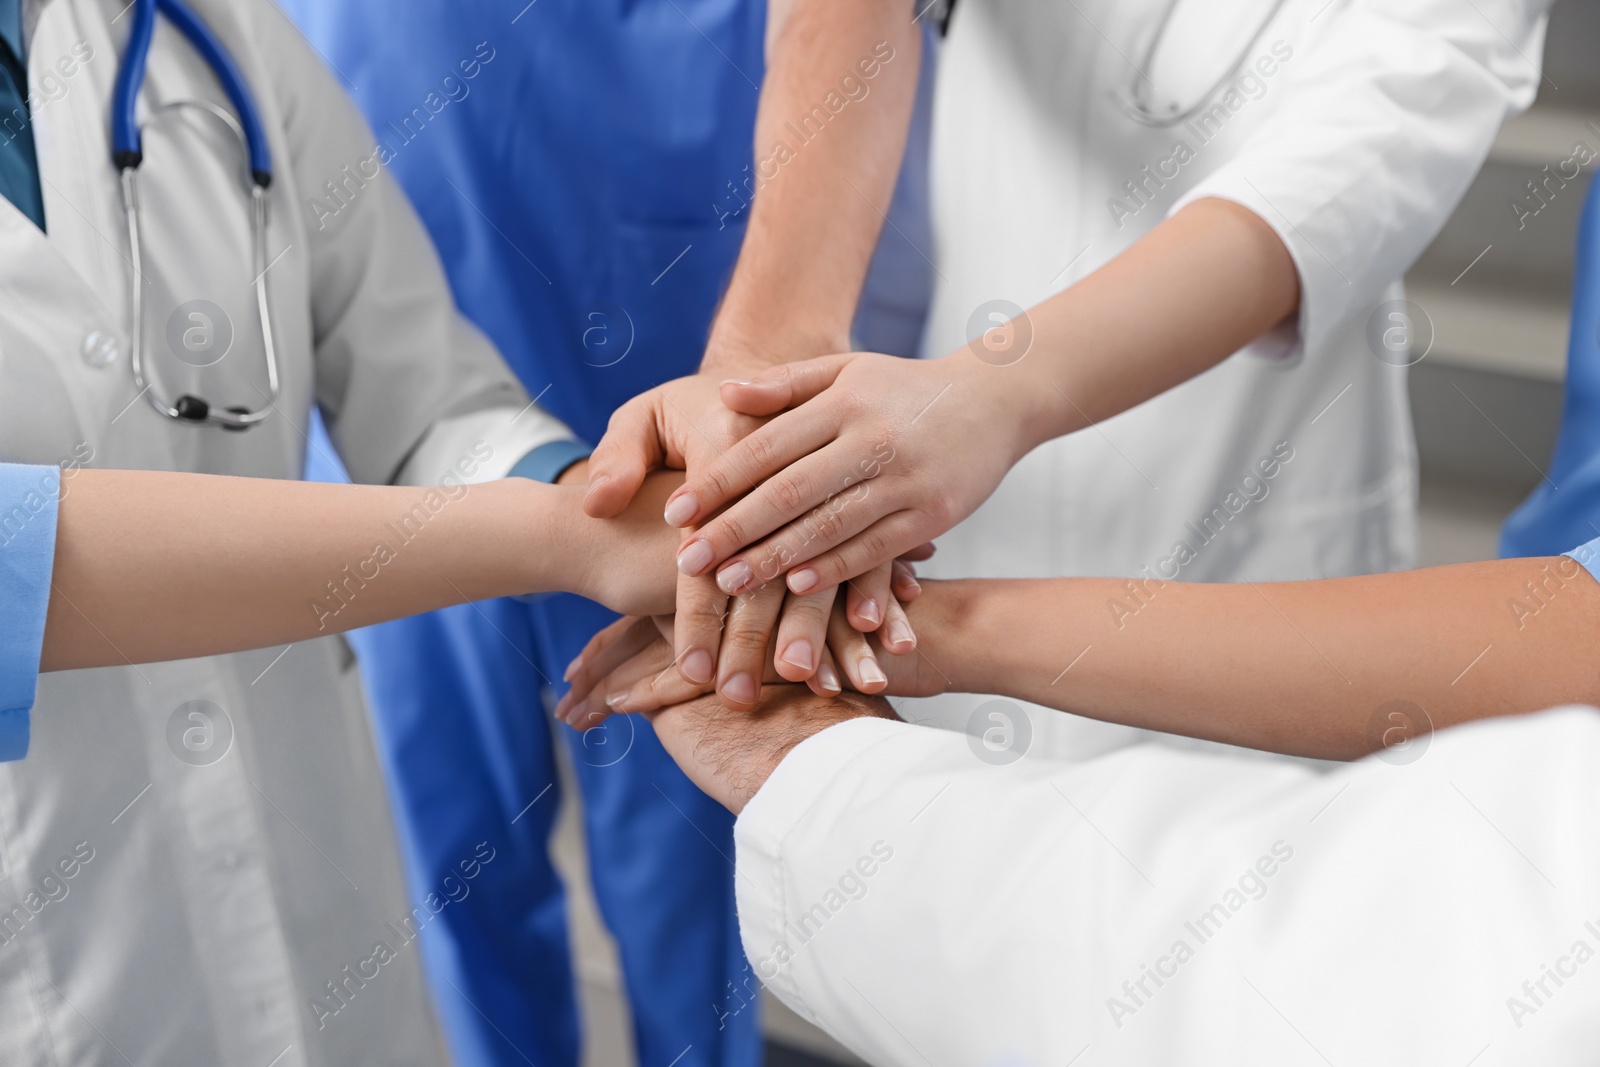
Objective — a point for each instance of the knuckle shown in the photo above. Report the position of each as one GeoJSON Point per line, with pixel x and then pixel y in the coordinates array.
{"type": "Point", "coordinates": [761, 450]}
{"type": "Point", "coordinates": [789, 492]}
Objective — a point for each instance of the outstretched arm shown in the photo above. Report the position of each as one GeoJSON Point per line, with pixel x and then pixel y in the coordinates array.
{"type": "Point", "coordinates": [1333, 669]}
{"type": "Point", "coordinates": [155, 566]}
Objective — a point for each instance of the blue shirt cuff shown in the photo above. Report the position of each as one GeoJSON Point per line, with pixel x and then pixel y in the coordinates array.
{"type": "Point", "coordinates": [550, 461]}
{"type": "Point", "coordinates": [29, 498]}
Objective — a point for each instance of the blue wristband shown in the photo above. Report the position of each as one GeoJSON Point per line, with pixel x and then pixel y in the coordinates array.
{"type": "Point", "coordinates": [551, 460]}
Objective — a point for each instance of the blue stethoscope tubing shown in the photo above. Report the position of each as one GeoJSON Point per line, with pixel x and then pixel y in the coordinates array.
{"type": "Point", "coordinates": [127, 154]}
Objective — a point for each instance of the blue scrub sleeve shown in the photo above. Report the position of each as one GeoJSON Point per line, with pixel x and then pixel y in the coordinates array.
{"type": "Point", "coordinates": [1588, 554]}
{"type": "Point", "coordinates": [550, 461]}
{"type": "Point", "coordinates": [29, 497]}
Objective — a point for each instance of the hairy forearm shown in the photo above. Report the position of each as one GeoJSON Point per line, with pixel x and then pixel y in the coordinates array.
{"type": "Point", "coordinates": [1190, 293]}
{"type": "Point", "coordinates": [154, 565]}
{"type": "Point", "coordinates": [1305, 668]}
{"type": "Point", "coordinates": [830, 132]}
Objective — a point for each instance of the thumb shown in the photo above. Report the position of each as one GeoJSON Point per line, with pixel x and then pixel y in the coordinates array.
{"type": "Point", "coordinates": [783, 386]}
{"type": "Point", "coordinates": [630, 448]}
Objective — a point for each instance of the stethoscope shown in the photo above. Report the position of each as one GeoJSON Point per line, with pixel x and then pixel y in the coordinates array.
{"type": "Point", "coordinates": [1136, 99]}
{"type": "Point", "coordinates": [127, 154]}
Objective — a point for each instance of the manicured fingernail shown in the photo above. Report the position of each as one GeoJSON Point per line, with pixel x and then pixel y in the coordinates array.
{"type": "Point", "coordinates": [871, 673]}
{"type": "Point", "coordinates": [800, 654]}
{"type": "Point", "coordinates": [804, 580]}
{"type": "Point", "coordinates": [733, 578]}
{"type": "Point", "coordinates": [572, 668]}
{"type": "Point", "coordinates": [912, 585]}
{"type": "Point", "coordinates": [695, 557]}
{"type": "Point", "coordinates": [616, 700]}
{"type": "Point", "coordinates": [740, 688]}
{"type": "Point", "coordinates": [696, 666]}
{"type": "Point", "coordinates": [828, 678]}
{"type": "Point", "coordinates": [680, 509]}
{"type": "Point", "coordinates": [576, 713]}
{"type": "Point", "coordinates": [900, 633]}
{"type": "Point", "coordinates": [740, 381]}
{"type": "Point", "coordinates": [870, 613]}
{"type": "Point", "coordinates": [595, 484]}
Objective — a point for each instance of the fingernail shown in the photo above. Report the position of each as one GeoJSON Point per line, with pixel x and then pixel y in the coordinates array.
{"type": "Point", "coordinates": [740, 381]}
{"type": "Point", "coordinates": [616, 700]}
{"type": "Point", "coordinates": [911, 584]}
{"type": "Point", "coordinates": [871, 613]}
{"type": "Point", "coordinates": [733, 578]}
{"type": "Point", "coordinates": [695, 557]}
{"type": "Point", "coordinates": [828, 678]}
{"type": "Point", "coordinates": [800, 654]}
{"type": "Point", "coordinates": [803, 581]}
{"type": "Point", "coordinates": [696, 666]}
{"type": "Point", "coordinates": [680, 509]}
{"type": "Point", "coordinates": [576, 713]}
{"type": "Point", "coordinates": [572, 668]}
{"type": "Point", "coordinates": [871, 673]}
{"type": "Point", "coordinates": [740, 688]}
{"type": "Point", "coordinates": [595, 484]}
{"type": "Point", "coordinates": [900, 633]}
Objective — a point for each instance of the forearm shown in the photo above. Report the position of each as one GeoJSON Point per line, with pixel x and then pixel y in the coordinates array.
{"type": "Point", "coordinates": [830, 132]}
{"type": "Point", "coordinates": [1301, 667]}
{"type": "Point", "coordinates": [1194, 290]}
{"type": "Point", "coordinates": [153, 565]}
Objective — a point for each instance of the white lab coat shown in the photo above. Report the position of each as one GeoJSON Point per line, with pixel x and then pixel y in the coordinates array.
{"type": "Point", "coordinates": [1355, 148]}
{"type": "Point", "coordinates": [1170, 908]}
{"type": "Point", "coordinates": [218, 901]}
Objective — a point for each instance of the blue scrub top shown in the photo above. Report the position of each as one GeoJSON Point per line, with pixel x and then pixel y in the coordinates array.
{"type": "Point", "coordinates": [29, 497]}
{"type": "Point", "coordinates": [579, 178]}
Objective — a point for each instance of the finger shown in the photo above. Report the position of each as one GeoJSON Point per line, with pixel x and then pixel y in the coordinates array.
{"type": "Point", "coordinates": [823, 528]}
{"type": "Point", "coordinates": [752, 618]}
{"type": "Point", "coordinates": [920, 553]}
{"type": "Point", "coordinates": [896, 634]}
{"type": "Point", "coordinates": [630, 448]}
{"type": "Point", "coordinates": [825, 683]}
{"type": "Point", "coordinates": [803, 634]}
{"type": "Point", "coordinates": [593, 710]}
{"type": "Point", "coordinates": [883, 540]}
{"type": "Point", "coordinates": [813, 494]}
{"type": "Point", "coordinates": [658, 690]}
{"type": "Point", "coordinates": [697, 627]}
{"type": "Point", "coordinates": [867, 598]}
{"type": "Point", "coordinates": [606, 650]}
{"type": "Point", "coordinates": [904, 584]}
{"type": "Point", "coordinates": [853, 654]}
{"type": "Point", "coordinates": [787, 439]}
{"type": "Point", "coordinates": [783, 386]}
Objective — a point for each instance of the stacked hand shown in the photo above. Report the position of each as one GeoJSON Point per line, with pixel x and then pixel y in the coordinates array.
{"type": "Point", "coordinates": [685, 424]}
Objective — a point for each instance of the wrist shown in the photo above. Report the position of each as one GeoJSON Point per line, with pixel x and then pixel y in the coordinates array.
{"type": "Point", "coordinates": [1024, 403]}
{"type": "Point", "coordinates": [951, 636]}
{"type": "Point", "coordinates": [545, 551]}
{"type": "Point", "coordinates": [738, 347]}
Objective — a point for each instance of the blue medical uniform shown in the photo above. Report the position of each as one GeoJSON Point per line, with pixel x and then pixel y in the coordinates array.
{"type": "Point", "coordinates": [575, 162]}
{"type": "Point", "coordinates": [1565, 509]}
{"type": "Point", "coordinates": [28, 500]}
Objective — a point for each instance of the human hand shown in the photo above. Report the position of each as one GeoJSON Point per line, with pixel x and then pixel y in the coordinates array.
{"type": "Point", "coordinates": [730, 755]}
{"type": "Point", "coordinates": [628, 667]}
{"type": "Point", "coordinates": [881, 455]}
{"type": "Point", "coordinates": [623, 562]}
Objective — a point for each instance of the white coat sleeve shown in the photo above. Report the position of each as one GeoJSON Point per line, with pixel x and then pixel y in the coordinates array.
{"type": "Point", "coordinates": [409, 388]}
{"type": "Point", "coordinates": [1177, 907]}
{"type": "Point", "coordinates": [1390, 113]}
